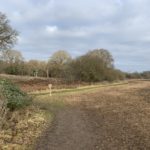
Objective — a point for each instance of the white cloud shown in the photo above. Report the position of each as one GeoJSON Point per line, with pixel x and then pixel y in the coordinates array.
{"type": "Point", "coordinates": [51, 29]}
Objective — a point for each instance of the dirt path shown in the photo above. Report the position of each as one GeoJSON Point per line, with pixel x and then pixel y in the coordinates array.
{"type": "Point", "coordinates": [70, 131]}
{"type": "Point", "coordinates": [115, 118]}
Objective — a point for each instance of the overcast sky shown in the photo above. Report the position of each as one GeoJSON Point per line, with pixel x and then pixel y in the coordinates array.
{"type": "Point", "coordinates": [45, 26]}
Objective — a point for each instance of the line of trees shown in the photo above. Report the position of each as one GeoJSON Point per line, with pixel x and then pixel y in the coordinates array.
{"type": "Point", "coordinates": [96, 65]}
{"type": "Point", "coordinates": [138, 75]}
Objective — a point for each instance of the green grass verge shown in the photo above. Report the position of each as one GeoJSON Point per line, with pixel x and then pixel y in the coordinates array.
{"type": "Point", "coordinates": [79, 89]}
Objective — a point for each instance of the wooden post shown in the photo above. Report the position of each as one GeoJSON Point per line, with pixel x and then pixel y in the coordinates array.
{"type": "Point", "coordinates": [50, 89]}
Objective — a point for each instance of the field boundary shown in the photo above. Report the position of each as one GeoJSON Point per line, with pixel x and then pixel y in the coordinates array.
{"type": "Point", "coordinates": [77, 89]}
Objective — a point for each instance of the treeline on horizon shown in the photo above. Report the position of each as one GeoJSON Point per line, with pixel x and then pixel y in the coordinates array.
{"type": "Point", "coordinates": [94, 66]}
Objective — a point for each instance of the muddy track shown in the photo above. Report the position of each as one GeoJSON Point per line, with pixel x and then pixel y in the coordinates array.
{"type": "Point", "coordinates": [111, 119]}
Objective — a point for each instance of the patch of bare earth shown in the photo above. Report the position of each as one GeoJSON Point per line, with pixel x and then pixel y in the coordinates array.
{"type": "Point", "coordinates": [111, 118]}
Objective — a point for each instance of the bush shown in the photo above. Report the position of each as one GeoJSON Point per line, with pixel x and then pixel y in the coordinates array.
{"type": "Point", "coordinates": [3, 110]}
{"type": "Point", "coordinates": [13, 95]}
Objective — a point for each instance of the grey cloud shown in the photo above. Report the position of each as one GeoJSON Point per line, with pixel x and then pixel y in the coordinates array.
{"type": "Point", "coordinates": [121, 26]}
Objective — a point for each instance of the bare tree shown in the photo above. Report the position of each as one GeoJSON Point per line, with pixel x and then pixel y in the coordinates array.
{"type": "Point", "coordinates": [8, 35]}
{"type": "Point", "coordinates": [36, 68]}
{"type": "Point", "coordinates": [12, 62]}
{"type": "Point", "coordinates": [104, 55]}
{"type": "Point", "coordinates": [60, 57]}
{"type": "Point", "coordinates": [58, 62]}
{"type": "Point", "coordinates": [11, 56]}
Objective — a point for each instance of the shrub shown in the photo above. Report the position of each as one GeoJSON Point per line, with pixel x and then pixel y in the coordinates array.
{"type": "Point", "coordinates": [3, 110]}
{"type": "Point", "coordinates": [13, 95]}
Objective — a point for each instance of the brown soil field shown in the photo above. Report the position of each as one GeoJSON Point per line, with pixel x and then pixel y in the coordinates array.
{"type": "Point", "coordinates": [108, 118]}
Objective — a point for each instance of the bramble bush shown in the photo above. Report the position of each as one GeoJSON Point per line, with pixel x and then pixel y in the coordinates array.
{"type": "Point", "coordinates": [13, 96]}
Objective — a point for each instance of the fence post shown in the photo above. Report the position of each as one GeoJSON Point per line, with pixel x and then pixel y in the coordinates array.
{"type": "Point", "coordinates": [50, 89]}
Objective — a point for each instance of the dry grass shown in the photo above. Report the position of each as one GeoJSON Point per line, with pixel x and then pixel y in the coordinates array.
{"type": "Point", "coordinates": [22, 128]}
{"type": "Point", "coordinates": [121, 115]}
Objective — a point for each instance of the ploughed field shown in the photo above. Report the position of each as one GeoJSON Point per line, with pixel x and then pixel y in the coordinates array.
{"type": "Point", "coordinates": [106, 118]}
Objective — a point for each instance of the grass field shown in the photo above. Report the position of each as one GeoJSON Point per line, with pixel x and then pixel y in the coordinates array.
{"type": "Point", "coordinates": [112, 116]}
